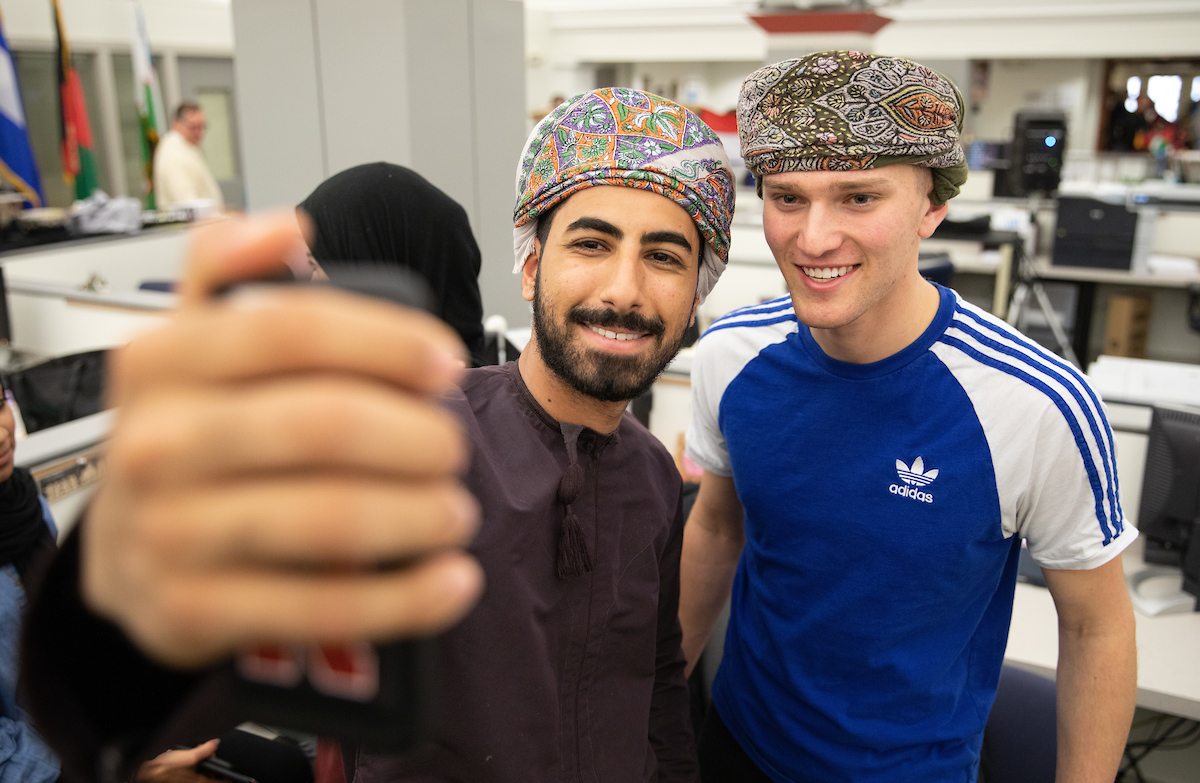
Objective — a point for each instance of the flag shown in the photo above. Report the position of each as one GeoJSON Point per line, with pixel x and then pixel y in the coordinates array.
{"type": "Point", "coordinates": [79, 163]}
{"type": "Point", "coordinates": [17, 165]}
{"type": "Point", "coordinates": [149, 99]}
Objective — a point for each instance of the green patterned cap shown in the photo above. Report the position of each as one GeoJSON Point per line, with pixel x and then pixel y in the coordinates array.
{"type": "Point", "coordinates": [843, 111]}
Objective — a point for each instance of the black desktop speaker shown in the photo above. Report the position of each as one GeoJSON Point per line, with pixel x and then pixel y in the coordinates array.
{"type": "Point", "coordinates": [1035, 156]}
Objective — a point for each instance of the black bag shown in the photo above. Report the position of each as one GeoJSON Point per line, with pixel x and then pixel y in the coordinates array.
{"type": "Point", "coordinates": [58, 390]}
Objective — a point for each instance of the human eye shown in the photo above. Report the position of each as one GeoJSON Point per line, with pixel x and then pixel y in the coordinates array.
{"type": "Point", "coordinates": [663, 258]}
{"type": "Point", "coordinates": [588, 244]}
{"type": "Point", "coordinates": [863, 199]}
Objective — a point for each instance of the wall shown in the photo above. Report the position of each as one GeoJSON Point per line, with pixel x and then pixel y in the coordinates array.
{"type": "Point", "coordinates": [713, 85]}
{"type": "Point", "coordinates": [575, 34]}
{"type": "Point", "coordinates": [1072, 86]}
{"type": "Point", "coordinates": [1032, 29]}
{"type": "Point", "coordinates": [184, 26]}
{"type": "Point", "coordinates": [431, 84]}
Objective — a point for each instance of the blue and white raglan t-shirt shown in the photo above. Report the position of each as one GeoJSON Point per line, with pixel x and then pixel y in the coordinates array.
{"type": "Point", "coordinates": [884, 508]}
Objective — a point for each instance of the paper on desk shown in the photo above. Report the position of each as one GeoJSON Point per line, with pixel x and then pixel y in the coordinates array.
{"type": "Point", "coordinates": [1120, 379]}
{"type": "Point", "coordinates": [1177, 266]}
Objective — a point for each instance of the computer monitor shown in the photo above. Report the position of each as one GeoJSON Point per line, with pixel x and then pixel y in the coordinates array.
{"type": "Point", "coordinates": [1170, 484]}
{"type": "Point", "coordinates": [1191, 564]}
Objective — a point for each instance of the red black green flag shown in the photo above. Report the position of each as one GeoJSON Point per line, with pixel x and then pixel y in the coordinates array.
{"type": "Point", "coordinates": [79, 162]}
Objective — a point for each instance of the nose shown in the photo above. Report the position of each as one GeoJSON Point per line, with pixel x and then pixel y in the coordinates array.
{"type": "Point", "coordinates": [621, 288]}
{"type": "Point", "coordinates": [819, 233]}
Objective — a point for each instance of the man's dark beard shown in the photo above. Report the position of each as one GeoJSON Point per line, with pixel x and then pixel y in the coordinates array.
{"type": "Point", "coordinates": [603, 376]}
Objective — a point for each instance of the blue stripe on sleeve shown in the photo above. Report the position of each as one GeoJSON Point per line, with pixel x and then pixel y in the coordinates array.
{"type": "Point", "coordinates": [1057, 399]}
{"type": "Point", "coordinates": [1069, 377]}
{"type": "Point", "coordinates": [718, 326]}
{"type": "Point", "coordinates": [775, 305]}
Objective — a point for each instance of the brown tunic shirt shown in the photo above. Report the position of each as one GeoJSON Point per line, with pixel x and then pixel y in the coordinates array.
{"type": "Point", "coordinates": [548, 679]}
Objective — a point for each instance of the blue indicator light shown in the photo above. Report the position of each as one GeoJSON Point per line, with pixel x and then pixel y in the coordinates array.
{"type": "Point", "coordinates": [1051, 141]}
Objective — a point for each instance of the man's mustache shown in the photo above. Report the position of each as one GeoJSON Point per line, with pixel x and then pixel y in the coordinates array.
{"type": "Point", "coordinates": [611, 319]}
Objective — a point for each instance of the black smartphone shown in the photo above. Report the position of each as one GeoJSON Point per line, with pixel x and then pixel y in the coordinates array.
{"type": "Point", "coordinates": [219, 769]}
{"type": "Point", "coordinates": [382, 697]}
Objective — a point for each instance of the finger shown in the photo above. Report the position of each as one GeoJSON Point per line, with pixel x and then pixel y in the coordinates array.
{"type": "Point", "coordinates": [325, 423]}
{"type": "Point", "coordinates": [304, 519]}
{"type": "Point", "coordinates": [190, 757]}
{"type": "Point", "coordinates": [193, 620]}
{"type": "Point", "coordinates": [241, 248]}
{"type": "Point", "coordinates": [287, 330]}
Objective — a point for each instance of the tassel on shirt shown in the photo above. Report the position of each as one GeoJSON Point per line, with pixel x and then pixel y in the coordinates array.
{"type": "Point", "coordinates": [573, 556]}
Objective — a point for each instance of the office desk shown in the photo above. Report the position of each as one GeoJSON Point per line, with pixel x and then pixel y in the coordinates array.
{"type": "Point", "coordinates": [1169, 341]}
{"type": "Point", "coordinates": [1083, 274]}
{"type": "Point", "coordinates": [1168, 647]}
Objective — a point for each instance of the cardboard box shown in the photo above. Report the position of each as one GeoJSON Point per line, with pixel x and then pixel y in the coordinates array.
{"type": "Point", "coordinates": [1128, 326]}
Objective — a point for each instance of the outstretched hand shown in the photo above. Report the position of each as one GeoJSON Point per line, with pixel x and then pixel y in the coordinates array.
{"type": "Point", "coordinates": [270, 450]}
{"type": "Point", "coordinates": [177, 766]}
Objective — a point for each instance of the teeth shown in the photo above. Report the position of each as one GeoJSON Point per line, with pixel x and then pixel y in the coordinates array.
{"type": "Point", "coordinates": [825, 273]}
{"type": "Point", "coordinates": [613, 335]}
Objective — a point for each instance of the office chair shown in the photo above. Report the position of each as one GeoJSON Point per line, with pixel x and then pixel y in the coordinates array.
{"type": "Point", "coordinates": [55, 391]}
{"type": "Point", "coordinates": [1020, 743]}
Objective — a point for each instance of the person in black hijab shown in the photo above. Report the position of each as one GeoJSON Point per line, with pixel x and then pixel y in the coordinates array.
{"type": "Point", "coordinates": [26, 536]}
{"type": "Point", "coordinates": [382, 213]}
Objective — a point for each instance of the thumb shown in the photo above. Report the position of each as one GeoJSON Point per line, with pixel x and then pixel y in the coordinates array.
{"type": "Point", "coordinates": [200, 752]}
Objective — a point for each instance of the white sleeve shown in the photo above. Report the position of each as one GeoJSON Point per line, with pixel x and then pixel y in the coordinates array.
{"type": "Point", "coordinates": [704, 440]}
{"type": "Point", "coordinates": [1070, 515]}
{"type": "Point", "coordinates": [1051, 448]}
{"type": "Point", "coordinates": [722, 353]}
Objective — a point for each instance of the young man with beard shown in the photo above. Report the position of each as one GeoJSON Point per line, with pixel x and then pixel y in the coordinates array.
{"type": "Point", "coordinates": [875, 451]}
{"type": "Point", "coordinates": [329, 452]}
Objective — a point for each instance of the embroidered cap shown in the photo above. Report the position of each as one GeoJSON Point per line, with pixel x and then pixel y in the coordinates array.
{"type": "Point", "coordinates": [617, 136]}
{"type": "Point", "coordinates": [842, 111]}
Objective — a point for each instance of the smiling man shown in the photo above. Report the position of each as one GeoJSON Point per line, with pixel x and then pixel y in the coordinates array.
{"type": "Point", "coordinates": [875, 452]}
{"type": "Point", "coordinates": [569, 667]}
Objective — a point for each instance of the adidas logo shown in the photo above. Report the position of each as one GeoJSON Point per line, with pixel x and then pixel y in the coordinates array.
{"type": "Point", "coordinates": [914, 474]}
{"type": "Point", "coordinates": [914, 477]}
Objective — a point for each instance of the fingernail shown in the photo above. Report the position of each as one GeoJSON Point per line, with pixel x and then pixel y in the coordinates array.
{"type": "Point", "coordinates": [466, 513]}
{"type": "Point", "coordinates": [446, 365]}
{"type": "Point", "coordinates": [464, 578]}
{"type": "Point", "coordinates": [253, 296]}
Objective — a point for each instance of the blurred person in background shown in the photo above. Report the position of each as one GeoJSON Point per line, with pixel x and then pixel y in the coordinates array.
{"type": "Point", "coordinates": [181, 174]}
{"type": "Point", "coordinates": [27, 535]}
{"type": "Point", "coordinates": [381, 213]}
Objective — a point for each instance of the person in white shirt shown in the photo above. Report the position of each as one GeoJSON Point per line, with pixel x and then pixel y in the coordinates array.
{"type": "Point", "coordinates": [181, 175]}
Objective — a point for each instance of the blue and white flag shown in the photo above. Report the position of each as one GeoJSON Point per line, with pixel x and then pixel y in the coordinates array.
{"type": "Point", "coordinates": [17, 165]}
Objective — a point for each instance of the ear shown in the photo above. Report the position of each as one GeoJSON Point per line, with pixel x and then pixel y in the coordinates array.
{"type": "Point", "coordinates": [529, 271]}
{"type": "Point", "coordinates": [695, 304]}
{"type": "Point", "coordinates": [932, 218]}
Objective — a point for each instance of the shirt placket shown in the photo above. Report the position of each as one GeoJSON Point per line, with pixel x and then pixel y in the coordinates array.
{"type": "Point", "coordinates": [586, 627]}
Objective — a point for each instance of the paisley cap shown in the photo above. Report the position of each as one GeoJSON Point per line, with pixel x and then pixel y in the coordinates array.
{"type": "Point", "coordinates": [843, 111]}
{"type": "Point", "coordinates": [617, 136]}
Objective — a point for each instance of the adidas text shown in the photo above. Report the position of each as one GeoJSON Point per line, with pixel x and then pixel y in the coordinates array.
{"type": "Point", "coordinates": [910, 492]}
